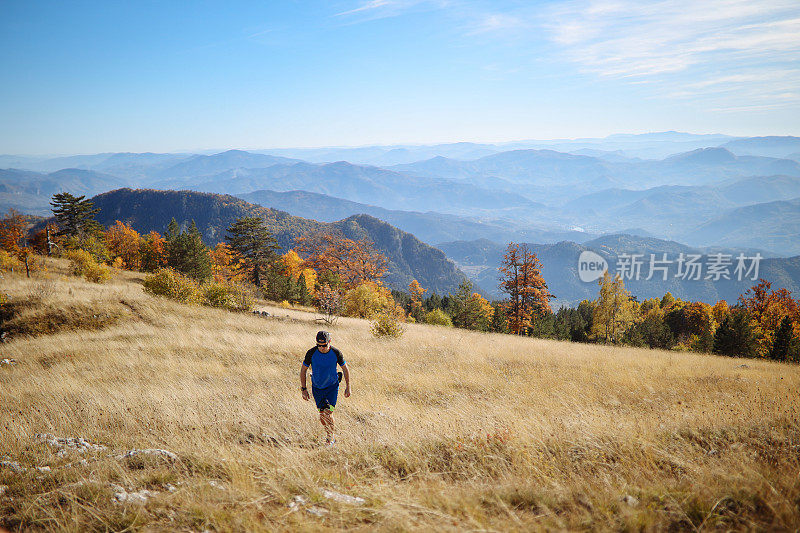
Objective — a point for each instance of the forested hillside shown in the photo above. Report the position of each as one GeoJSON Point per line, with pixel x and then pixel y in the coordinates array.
{"type": "Point", "coordinates": [151, 210]}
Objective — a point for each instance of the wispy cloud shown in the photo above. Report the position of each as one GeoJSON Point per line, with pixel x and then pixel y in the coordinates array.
{"type": "Point", "coordinates": [693, 48]}
{"type": "Point", "coordinates": [379, 9]}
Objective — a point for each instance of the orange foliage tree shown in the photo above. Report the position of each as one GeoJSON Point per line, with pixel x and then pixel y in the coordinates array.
{"type": "Point", "coordinates": [352, 262]}
{"type": "Point", "coordinates": [124, 242]}
{"type": "Point", "coordinates": [153, 252]}
{"type": "Point", "coordinates": [226, 264]}
{"type": "Point", "coordinates": [768, 308]}
{"type": "Point", "coordinates": [521, 279]}
{"type": "Point", "coordinates": [14, 237]}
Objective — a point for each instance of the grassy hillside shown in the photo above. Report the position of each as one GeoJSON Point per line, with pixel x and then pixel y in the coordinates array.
{"type": "Point", "coordinates": [446, 429]}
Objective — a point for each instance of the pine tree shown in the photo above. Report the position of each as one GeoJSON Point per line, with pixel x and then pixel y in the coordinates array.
{"type": "Point", "coordinates": [737, 336]}
{"type": "Point", "coordinates": [198, 259]}
{"type": "Point", "coordinates": [186, 252]}
{"type": "Point", "coordinates": [783, 340]}
{"type": "Point", "coordinates": [304, 298]}
{"type": "Point", "coordinates": [75, 215]}
{"type": "Point", "coordinates": [250, 237]}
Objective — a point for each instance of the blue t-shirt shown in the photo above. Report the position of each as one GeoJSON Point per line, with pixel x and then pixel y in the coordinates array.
{"type": "Point", "coordinates": [324, 366]}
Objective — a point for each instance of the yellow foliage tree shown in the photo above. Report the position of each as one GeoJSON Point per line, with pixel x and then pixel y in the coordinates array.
{"type": "Point", "coordinates": [294, 267]}
{"type": "Point", "coordinates": [614, 309]}
{"type": "Point", "coordinates": [416, 291]}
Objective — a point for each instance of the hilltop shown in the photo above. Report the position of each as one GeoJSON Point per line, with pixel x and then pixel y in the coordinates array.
{"type": "Point", "coordinates": [190, 419]}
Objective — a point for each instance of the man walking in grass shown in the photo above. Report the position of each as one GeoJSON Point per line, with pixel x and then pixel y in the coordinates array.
{"type": "Point", "coordinates": [325, 380]}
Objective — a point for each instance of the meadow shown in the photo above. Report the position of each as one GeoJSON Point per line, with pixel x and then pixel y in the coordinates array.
{"type": "Point", "coordinates": [446, 429]}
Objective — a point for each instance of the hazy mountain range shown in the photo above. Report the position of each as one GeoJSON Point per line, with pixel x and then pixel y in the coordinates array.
{"type": "Point", "coordinates": [701, 190]}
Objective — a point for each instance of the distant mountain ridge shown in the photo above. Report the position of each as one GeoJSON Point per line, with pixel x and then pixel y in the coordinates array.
{"type": "Point", "coordinates": [431, 227]}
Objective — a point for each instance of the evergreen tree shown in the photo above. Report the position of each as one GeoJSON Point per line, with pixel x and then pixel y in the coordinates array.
{"type": "Point", "coordinates": [75, 215]}
{"type": "Point", "coordinates": [250, 237]}
{"type": "Point", "coordinates": [499, 323]}
{"type": "Point", "coordinates": [303, 296]}
{"type": "Point", "coordinates": [186, 252]}
{"type": "Point", "coordinates": [737, 336]}
{"type": "Point", "coordinates": [198, 260]}
{"type": "Point", "coordinates": [434, 301]}
{"type": "Point", "coordinates": [783, 340]}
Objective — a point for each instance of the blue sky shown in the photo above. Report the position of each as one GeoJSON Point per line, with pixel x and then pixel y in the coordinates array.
{"type": "Point", "coordinates": [165, 76]}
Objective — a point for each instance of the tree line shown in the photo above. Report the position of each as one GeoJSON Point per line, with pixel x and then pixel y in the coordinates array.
{"type": "Point", "coordinates": [342, 276]}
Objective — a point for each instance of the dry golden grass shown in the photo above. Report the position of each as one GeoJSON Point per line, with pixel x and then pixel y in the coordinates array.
{"type": "Point", "coordinates": [446, 429]}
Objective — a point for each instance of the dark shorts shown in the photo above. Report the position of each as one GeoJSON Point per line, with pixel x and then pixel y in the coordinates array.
{"type": "Point", "coordinates": [325, 398]}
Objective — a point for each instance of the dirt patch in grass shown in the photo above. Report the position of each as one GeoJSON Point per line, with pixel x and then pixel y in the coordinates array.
{"type": "Point", "coordinates": [34, 317]}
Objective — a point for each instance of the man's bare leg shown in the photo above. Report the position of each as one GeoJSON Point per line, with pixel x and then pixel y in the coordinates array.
{"type": "Point", "coordinates": [326, 417]}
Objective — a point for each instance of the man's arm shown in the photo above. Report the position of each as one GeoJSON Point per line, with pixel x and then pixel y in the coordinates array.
{"type": "Point", "coordinates": [304, 391]}
{"type": "Point", "coordinates": [346, 372]}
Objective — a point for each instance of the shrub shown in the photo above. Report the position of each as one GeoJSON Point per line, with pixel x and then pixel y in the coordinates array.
{"type": "Point", "coordinates": [80, 260]}
{"type": "Point", "coordinates": [387, 324]}
{"type": "Point", "coordinates": [97, 273]}
{"type": "Point", "coordinates": [367, 300]}
{"type": "Point", "coordinates": [285, 304]}
{"type": "Point", "coordinates": [9, 263]}
{"type": "Point", "coordinates": [227, 295]}
{"type": "Point", "coordinates": [172, 284]}
{"type": "Point", "coordinates": [437, 317]}
{"type": "Point", "coordinates": [83, 264]}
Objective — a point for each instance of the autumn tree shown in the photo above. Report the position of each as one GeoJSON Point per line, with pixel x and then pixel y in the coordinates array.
{"type": "Point", "coordinates": [351, 262]}
{"type": "Point", "coordinates": [522, 281]}
{"type": "Point", "coordinates": [124, 242]}
{"type": "Point", "coordinates": [768, 308]}
{"type": "Point", "coordinates": [153, 252]}
{"type": "Point", "coordinates": [614, 309]}
{"type": "Point", "coordinates": [75, 215]}
{"type": "Point", "coordinates": [224, 263]}
{"type": "Point", "coordinates": [416, 291]}
{"type": "Point", "coordinates": [252, 240]}
{"type": "Point", "coordinates": [295, 268]}
{"type": "Point", "coordinates": [14, 238]}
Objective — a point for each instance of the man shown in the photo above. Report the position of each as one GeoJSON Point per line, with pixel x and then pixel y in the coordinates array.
{"type": "Point", "coordinates": [324, 380]}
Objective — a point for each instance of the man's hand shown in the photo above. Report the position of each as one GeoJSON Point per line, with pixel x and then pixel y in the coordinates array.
{"type": "Point", "coordinates": [347, 392]}
{"type": "Point", "coordinates": [305, 395]}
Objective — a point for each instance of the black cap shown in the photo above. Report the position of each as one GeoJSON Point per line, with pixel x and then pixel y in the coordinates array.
{"type": "Point", "coordinates": [323, 337]}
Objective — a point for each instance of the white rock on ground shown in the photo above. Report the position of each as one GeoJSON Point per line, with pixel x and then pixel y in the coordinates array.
{"type": "Point", "coordinates": [299, 502]}
{"type": "Point", "coordinates": [7, 362]}
{"type": "Point", "coordinates": [123, 496]}
{"type": "Point", "coordinates": [150, 451]}
{"type": "Point", "coordinates": [342, 498]}
{"type": "Point", "coordinates": [633, 501]}
{"type": "Point", "coordinates": [78, 444]}
{"type": "Point", "coordinates": [3, 489]}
